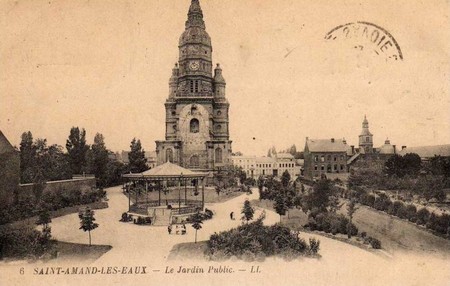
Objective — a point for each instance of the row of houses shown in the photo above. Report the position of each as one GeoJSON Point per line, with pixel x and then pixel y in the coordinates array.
{"type": "Point", "coordinates": [334, 157]}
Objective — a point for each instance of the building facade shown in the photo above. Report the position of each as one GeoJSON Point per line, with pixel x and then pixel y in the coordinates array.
{"type": "Point", "coordinates": [267, 166]}
{"type": "Point", "coordinates": [197, 122]}
{"type": "Point", "coordinates": [325, 157]}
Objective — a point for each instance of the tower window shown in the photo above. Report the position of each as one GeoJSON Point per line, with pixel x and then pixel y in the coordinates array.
{"type": "Point", "coordinates": [196, 86]}
{"type": "Point", "coordinates": [193, 86]}
{"type": "Point", "coordinates": [218, 155]}
{"type": "Point", "coordinates": [367, 139]}
{"type": "Point", "coordinates": [194, 126]}
{"type": "Point", "coordinates": [169, 155]}
{"type": "Point", "coordinates": [194, 162]}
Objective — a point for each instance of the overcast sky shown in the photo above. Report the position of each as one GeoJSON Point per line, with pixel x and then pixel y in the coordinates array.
{"type": "Point", "coordinates": [105, 66]}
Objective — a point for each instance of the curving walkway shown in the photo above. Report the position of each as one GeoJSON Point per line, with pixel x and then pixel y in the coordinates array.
{"type": "Point", "coordinates": [341, 263]}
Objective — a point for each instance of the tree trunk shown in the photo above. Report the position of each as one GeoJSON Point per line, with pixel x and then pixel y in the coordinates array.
{"type": "Point", "coordinates": [89, 238]}
{"type": "Point", "coordinates": [195, 236]}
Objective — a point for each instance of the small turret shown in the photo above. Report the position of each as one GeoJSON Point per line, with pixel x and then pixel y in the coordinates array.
{"type": "Point", "coordinates": [219, 82]}
{"type": "Point", "coordinates": [173, 82]}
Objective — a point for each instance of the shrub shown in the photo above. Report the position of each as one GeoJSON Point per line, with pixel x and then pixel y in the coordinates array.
{"type": "Point", "coordinates": [382, 202]}
{"type": "Point", "coordinates": [330, 222]}
{"type": "Point", "coordinates": [254, 240]}
{"type": "Point", "coordinates": [23, 242]}
{"type": "Point", "coordinates": [411, 213]}
{"type": "Point", "coordinates": [423, 215]}
{"type": "Point", "coordinates": [402, 211]}
{"type": "Point", "coordinates": [314, 246]}
{"type": "Point", "coordinates": [368, 200]}
{"type": "Point", "coordinates": [375, 243]}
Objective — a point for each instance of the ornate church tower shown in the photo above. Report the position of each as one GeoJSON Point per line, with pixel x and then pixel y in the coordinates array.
{"type": "Point", "coordinates": [197, 133]}
{"type": "Point", "coordinates": [365, 138]}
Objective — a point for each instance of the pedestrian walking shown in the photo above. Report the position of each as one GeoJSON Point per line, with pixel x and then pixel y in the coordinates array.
{"type": "Point", "coordinates": [169, 229]}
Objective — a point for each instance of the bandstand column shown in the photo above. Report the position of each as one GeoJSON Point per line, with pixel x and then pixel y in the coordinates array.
{"type": "Point", "coordinates": [179, 193]}
{"type": "Point", "coordinates": [203, 193]}
{"type": "Point", "coordinates": [185, 192]}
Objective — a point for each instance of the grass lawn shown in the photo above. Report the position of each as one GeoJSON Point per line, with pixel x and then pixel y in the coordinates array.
{"type": "Point", "coordinates": [173, 194]}
{"type": "Point", "coordinates": [295, 218]}
{"type": "Point", "coordinates": [398, 234]}
{"type": "Point", "coordinates": [188, 250]}
{"type": "Point", "coordinates": [80, 252]}
{"type": "Point", "coordinates": [394, 233]}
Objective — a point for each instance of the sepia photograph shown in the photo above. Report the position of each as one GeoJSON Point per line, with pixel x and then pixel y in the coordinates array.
{"type": "Point", "coordinates": [212, 142]}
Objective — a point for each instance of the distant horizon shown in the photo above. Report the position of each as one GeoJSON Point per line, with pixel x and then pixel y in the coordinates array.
{"type": "Point", "coordinates": [106, 68]}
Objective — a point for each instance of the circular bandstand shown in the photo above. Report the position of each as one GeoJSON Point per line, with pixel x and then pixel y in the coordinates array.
{"type": "Point", "coordinates": [164, 178]}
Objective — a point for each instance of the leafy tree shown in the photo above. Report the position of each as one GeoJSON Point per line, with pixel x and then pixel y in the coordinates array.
{"type": "Point", "coordinates": [293, 150]}
{"type": "Point", "coordinates": [99, 159]}
{"type": "Point", "coordinates": [285, 178]}
{"type": "Point", "coordinates": [27, 157]}
{"type": "Point", "coordinates": [412, 163]}
{"type": "Point", "coordinates": [247, 211]}
{"type": "Point", "coordinates": [351, 209]}
{"type": "Point", "coordinates": [319, 198]}
{"type": "Point", "coordinates": [439, 166]}
{"type": "Point", "coordinates": [395, 165]}
{"type": "Point", "coordinates": [280, 205]}
{"type": "Point", "coordinates": [137, 157]}
{"type": "Point", "coordinates": [197, 220]}
{"type": "Point", "coordinates": [87, 221]}
{"type": "Point", "coordinates": [44, 219]}
{"type": "Point", "coordinates": [77, 148]}
{"type": "Point", "coordinates": [114, 171]}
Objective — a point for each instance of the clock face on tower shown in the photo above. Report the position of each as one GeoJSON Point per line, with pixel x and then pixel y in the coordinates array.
{"type": "Point", "coordinates": [194, 65]}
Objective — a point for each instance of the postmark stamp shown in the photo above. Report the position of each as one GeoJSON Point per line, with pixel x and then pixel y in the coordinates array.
{"type": "Point", "coordinates": [367, 37]}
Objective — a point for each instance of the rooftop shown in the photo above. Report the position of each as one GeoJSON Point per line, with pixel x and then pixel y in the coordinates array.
{"type": "Point", "coordinates": [428, 151]}
{"type": "Point", "coordinates": [326, 145]}
{"type": "Point", "coordinates": [5, 146]}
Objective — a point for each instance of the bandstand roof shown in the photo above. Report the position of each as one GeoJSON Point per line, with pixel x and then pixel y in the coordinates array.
{"type": "Point", "coordinates": [166, 171]}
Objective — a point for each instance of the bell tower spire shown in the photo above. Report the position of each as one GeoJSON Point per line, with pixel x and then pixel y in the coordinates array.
{"type": "Point", "coordinates": [197, 119]}
{"type": "Point", "coordinates": [365, 138]}
{"type": "Point", "coordinates": [195, 15]}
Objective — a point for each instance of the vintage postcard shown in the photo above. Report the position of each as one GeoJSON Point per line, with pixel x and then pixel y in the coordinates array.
{"type": "Point", "coordinates": [212, 142]}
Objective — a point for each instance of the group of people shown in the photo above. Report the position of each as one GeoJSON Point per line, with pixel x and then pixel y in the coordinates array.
{"type": "Point", "coordinates": [178, 229]}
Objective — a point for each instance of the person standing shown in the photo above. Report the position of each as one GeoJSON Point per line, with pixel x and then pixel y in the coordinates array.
{"type": "Point", "coordinates": [169, 229]}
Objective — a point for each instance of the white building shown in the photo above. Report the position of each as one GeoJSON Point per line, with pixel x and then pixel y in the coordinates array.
{"type": "Point", "coordinates": [267, 166]}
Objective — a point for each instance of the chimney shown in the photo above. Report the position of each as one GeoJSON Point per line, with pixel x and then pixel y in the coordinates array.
{"type": "Point", "coordinates": [395, 149]}
{"type": "Point", "coordinates": [332, 140]}
{"type": "Point", "coordinates": [403, 147]}
{"type": "Point", "coordinates": [353, 149]}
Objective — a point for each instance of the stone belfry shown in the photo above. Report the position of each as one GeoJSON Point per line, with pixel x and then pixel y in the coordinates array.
{"type": "Point", "coordinates": [365, 138]}
{"type": "Point", "coordinates": [197, 125]}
